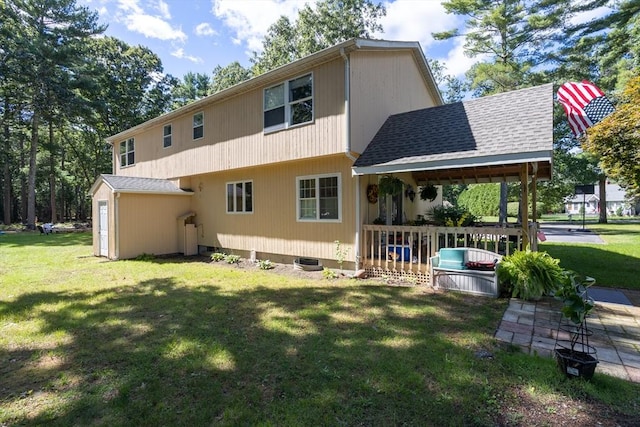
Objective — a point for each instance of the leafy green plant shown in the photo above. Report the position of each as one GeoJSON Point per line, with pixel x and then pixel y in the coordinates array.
{"type": "Point", "coordinates": [329, 274]}
{"type": "Point", "coordinates": [428, 192]}
{"type": "Point", "coordinates": [218, 256]}
{"type": "Point", "coordinates": [145, 257]}
{"type": "Point", "coordinates": [232, 259]}
{"type": "Point", "coordinates": [452, 216]}
{"type": "Point", "coordinates": [390, 184]}
{"type": "Point", "coordinates": [528, 274]}
{"type": "Point", "coordinates": [341, 253]}
{"type": "Point", "coordinates": [265, 264]}
{"type": "Point", "coordinates": [573, 292]}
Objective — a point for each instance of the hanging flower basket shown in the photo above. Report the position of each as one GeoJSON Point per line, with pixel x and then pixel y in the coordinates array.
{"type": "Point", "coordinates": [428, 192]}
{"type": "Point", "coordinates": [390, 184]}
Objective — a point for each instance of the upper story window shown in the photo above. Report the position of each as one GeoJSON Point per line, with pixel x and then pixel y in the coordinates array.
{"type": "Point", "coordinates": [319, 198]}
{"type": "Point", "coordinates": [289, 103]}
{"type": "Point", "coordinates": [127, 153]}
{"type": "Point", "coordinates": [198, 125]}
{"type": "Point", "coordinates": [166, 136]}
{"type": "Point", "coordinates": [240, 197]}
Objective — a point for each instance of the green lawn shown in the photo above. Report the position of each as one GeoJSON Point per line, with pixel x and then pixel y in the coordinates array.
{"type": "Point", "coordinates": [613, 264]}
{"type": "Point", "coordinates": [85, 341]}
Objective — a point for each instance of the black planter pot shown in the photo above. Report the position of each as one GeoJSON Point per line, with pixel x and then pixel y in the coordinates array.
{"type": "Point", "coordinates": [576, 364]}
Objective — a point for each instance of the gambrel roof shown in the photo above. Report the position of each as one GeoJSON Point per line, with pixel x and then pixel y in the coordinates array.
{"type": "Point", "coordinates": [478, 140]}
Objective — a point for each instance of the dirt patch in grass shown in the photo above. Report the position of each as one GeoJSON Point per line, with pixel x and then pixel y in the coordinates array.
{"type": "Point", "coordinates": [560, 411]}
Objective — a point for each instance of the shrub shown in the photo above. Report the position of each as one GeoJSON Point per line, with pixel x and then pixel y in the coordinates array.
{"type": "Point", "coordinates": [265, 264]}
{"type": "Point", "coordinates": [232, 259]}
{"type": "Point", "coordinates": [452, 216]}
{"type": "Point", "coordinates": [329, 274]}
{"type": "Point", "coordinates": [481, 199]}
{"type": "Point", "coordinates": [217, 256]}
{"type": "Point", "coordinates": [530, 275]}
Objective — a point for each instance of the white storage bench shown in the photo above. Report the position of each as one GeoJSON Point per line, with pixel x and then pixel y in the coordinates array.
{"type": "Point", "coordinates": [449, 271]}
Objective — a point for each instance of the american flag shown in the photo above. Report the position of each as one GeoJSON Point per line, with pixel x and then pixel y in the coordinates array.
{"type": "Point", "coordinates": [585, 105]}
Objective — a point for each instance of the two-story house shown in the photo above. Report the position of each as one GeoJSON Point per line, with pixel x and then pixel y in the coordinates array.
{"type": "Point", "coordinates": [268, 166]}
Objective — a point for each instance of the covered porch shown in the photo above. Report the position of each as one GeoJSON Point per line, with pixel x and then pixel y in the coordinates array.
{"type": "Point", "coordinates": [502, 138]}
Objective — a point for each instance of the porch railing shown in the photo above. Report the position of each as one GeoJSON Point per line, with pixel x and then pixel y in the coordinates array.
{"type": "Point", "coordinates": [406, 250]}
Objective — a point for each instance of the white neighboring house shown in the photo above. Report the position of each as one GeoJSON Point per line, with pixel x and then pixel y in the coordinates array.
{"type": "Point", "coordinates": [616, 202]}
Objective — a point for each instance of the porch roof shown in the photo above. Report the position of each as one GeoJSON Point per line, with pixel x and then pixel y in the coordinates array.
{"type": "Point", "coordinates": [480, 140]}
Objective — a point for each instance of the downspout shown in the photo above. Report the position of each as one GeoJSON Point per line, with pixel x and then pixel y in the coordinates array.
{"type": "Point", "coordinates": [347, 150]}
{"type": "Point", "coordinates": [116, 225]}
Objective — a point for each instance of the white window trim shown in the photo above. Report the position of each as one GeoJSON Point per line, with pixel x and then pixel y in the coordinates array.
{"type": "Point", "coordinates": [126, 153]}
{"type": "Point", "coordinates": [193, 126]}
{"type": "Point", "coordinates": [317, 177]}
{"type": "Point", "coordinates": [287, 105]}
{"type": "Point", "coordinates": [164, 136]}
{"type": "Point", "coordinates": [243, 212]}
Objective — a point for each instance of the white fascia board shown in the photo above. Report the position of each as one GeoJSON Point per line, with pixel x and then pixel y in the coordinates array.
{"type": "Point", "coordinates": [469, 162]}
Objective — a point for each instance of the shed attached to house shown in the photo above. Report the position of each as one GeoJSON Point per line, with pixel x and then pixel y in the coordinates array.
{"type": "Point", "coordinates": [134, 216]}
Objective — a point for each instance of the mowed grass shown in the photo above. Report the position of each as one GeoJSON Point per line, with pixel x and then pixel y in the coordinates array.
{"type": "Point", "coordinates": [85, 341]}
{"type": "Point", "coordinates": [616, 263]}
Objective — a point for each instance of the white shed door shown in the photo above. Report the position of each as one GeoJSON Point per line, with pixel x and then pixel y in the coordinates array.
{"type": "Point", "coordinates": [103, 227]}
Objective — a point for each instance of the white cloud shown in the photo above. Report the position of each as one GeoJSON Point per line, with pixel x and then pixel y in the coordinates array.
{"type": "Point", "coordinates": [179, 53]}
{"type": "Point", "coordinates": [415, 21]}
{"type": "Point", "coordinates": [204, 29]}
{"type": "Point", "coordinates": [250, 22]}
{"type": "Point", "coordinates": [163, 8]}
{"type": "Point", "coordinates": [153, 27]}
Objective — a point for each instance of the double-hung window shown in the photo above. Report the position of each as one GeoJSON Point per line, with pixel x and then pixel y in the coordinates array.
{"type": "Point", "coordinates": [319, 198]}
{"type": "Point", "coordinates": [127, 153]}
{"type": "Point", "coordinates": [166, 136]}
{"type": "Point", "coordinates": [240, 197]}
{"type": "Point", "coordinates": [288, 104]}
{"type": "Point", "coordinates": [198, 125]}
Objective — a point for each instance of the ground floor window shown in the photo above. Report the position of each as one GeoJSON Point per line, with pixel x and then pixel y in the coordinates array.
{"type": "Point", "coordinates": [240, 197]}
{"type": "Point", "coordinates": [319, 198]}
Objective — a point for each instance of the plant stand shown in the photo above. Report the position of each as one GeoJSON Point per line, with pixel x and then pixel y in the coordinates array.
{"type": "Point", "coordinates": [575, 356]}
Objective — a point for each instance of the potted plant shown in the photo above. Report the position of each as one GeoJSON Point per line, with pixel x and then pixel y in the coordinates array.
{"type": "Point", "coordinates": [575, 356]}
{"type": "Point", "coordinates": [530, 275]}
{"type": "Point", "coordinates": [428, 192]}
{"type": "Point", "coordinates": [390, 184]}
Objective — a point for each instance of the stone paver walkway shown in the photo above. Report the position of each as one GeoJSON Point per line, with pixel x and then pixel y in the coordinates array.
{"type": "Point", "coordinates": [533, 326]}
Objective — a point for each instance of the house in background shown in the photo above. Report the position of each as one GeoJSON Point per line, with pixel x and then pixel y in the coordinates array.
{"type": "Point", "coordinates": [279, 165]}
{"type": "Point", "coordinates": [617, 202]}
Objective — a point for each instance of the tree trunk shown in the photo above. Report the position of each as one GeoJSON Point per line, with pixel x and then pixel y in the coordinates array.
{"type": "Point", "coordinates": [502, 216]}
{"type": "Point", "coordinates": [31, 180]}
{"type": "Point", "coordinates": [6, 171]}
{"type": "Point", "coordinates": [23, 184]}
{"type": "Point", "coordinates": [603, 199]}
{"type": "Point", "coordinates": [52, 177]}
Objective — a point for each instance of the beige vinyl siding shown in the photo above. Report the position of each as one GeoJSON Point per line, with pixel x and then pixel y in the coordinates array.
{"type": "Point", "coordinates": [234, 136]}
{"type": "Point", "coordinates": [383, 83]}
{"type": "Point", "coordinates": [148, 223]}
{"type": "Point", "coordinates": [273, 227]}
{"type": "Point", "coordinates": [103, 194]}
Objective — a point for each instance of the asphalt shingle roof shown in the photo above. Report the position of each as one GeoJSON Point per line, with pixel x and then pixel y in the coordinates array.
{"type": "Point", "coordinates": [517, 124]}
{"type": "Point", "coordinates": [141, 185]}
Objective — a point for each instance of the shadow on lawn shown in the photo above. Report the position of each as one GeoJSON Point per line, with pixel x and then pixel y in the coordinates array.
{"type": "Point", "coordinates": [161, 354]}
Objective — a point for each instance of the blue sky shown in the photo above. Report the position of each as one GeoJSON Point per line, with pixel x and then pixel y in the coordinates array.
{"type": "Point", "coordinates": [197, 35]}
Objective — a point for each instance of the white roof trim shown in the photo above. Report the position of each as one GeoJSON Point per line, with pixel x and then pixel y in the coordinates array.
{"type": "Point", "coordinates": [406, 165]}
